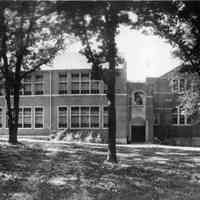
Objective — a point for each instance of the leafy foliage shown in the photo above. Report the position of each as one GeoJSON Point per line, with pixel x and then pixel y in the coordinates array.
{"type": "Point", "coordinates": [31, 35]}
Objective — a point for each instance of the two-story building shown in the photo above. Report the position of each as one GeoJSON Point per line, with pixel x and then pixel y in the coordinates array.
{"type": "Point", "coordinates": [53, 100]}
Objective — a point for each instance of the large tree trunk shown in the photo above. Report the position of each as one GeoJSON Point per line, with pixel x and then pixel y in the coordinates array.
{"type": "Point", "coordinates": [111, 29]}
{"type": "Point", "coordinates": [111, 157]}
{"type": "Point", "coordinates": [12, 111]}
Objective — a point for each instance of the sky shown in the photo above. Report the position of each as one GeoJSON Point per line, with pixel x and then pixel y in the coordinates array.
{"type": "Point", "coordinates": [145, 55]}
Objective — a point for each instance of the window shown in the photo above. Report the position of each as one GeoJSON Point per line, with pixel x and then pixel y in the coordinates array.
{"type": "Point", "coordinates": [75, 115]}
{"type": "Point", "coordinates": [1, 117]}
{"type": "Point", "coordinates": [39, 117]}
{"type": "Point", "coordinates": [85, 83]}
{"type": "Point", "coordinates": [62, 117]}
{"type": "Point", "coordinates": [75, 88]}
{"type": "Point", "coordinates": [39, 84]}
{"type": "Point", "coordinates": [95, 87]}
{"type": "Point", "coordinates": [26, 86]}
{"type": "Point", "coordinates": [94, 117]}
{"type": "Point", "coordinates": [179, 85]}
{"type": "Point", "coordinates": [105, 117]}
{"type": "Point", "coordinates": [139, 98]}
{"type": "Point", "coordinates": [180, 117]}
{"type": "Point", "coordinates": [25, 117]}
{"type": "Point", "coordinates": [85, 117]}
{"type": "Point", "coordinates": [62, 83]}
{"type": "Point", "coordinates": [182, 85]}
{"type": "Point", "coordinates": [82, 84]}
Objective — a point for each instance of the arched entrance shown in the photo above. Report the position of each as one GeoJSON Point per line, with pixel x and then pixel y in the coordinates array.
{"type": "Point", "coordinates": [138, 130]}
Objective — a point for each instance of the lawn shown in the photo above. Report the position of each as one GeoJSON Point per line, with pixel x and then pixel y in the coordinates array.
{"type": "Point", "coordinates": [46, 171]}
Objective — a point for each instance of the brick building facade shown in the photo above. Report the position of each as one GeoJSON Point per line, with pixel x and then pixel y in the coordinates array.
{"type": "Point", "coordinates": [68, 99]}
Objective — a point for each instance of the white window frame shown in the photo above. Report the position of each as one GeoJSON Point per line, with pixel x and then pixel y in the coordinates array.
{"type": "Point", "coordinates": [80, 81]}
{"type": "Point", "coordinates": [179, 85]}
{"type": "Point", "coordinates": [43, 111]}
{"type": "Point", "coordinates": [22, 107]}
{"type": "Point", "coordinates": [59, 115]}
{"type": "Point", "coordinates": [63, 82]}
{"type": "Point", "coordinates": [178, 118]}
{"type": "Point", "coordinates": [77, 81]}
{"type": "Point", "coordinates": [79, 115]}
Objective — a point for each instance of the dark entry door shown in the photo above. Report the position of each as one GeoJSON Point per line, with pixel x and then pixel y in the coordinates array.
{"type": "Point", "coordinates": [138, 133]}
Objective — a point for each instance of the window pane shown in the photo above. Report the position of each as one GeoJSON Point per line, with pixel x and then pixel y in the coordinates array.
{"type": "Point", "coordinates": [75, 110]}
{"type": "Point", "coordinates": [63, 88]}
{"type": "Point", "coordinates": [75, 88]}
{"type": "Point", "coordinates": [39, 117]}
{"type": "Point", "coordinates": [94, 121]}
{"type": "Point", "coordinates": [27, 89]}
{"type": "Point", "coordinates": [75, 121]}
{"type": "Point", "coordinates": [182, 85]}
{"type": "Point", "coordinates": [38, 88]}
{"type": "Point", "coordinates": [85, 121]}
{"type": "Point", "coordinates": [85, 76]}
{"type": "Point", "coordinates": [27, 121]}
{"type": "Point", "coordinates": [85, 88]}
{"type": "Point", "coordinates": [94, 87]}
{"type": "Point", "coordinates": [94, 110]}
{"type": "Point", "coordinates": [39, 78]}
{"type": "Point", "coordinates": [84, 110]}
{"type": "Point", "coordinates": [62, 117]}
{"type": "Point", "coordinates": [63, 77]}
{"type": "Point", "coordinates": [175, 85]}
{"type": "Point", "coordinates": [189, 119]}
{"type": "Point", "coordinates": [75, 76]}
{"type": "Point", "coordinates": [182, 119]}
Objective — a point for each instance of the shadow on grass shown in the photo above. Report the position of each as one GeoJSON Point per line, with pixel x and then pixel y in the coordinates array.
{"type": "Point", "coordinates": [71, 171]}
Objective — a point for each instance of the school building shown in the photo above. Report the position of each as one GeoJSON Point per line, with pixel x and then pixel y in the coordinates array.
{"type": "Point", "coordinates": [52, 100]}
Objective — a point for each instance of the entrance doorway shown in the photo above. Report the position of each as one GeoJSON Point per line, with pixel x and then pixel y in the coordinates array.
{"type": "Point", "coordinates": [138, 133]}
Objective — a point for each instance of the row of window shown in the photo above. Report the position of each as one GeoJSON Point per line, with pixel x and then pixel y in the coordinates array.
{"type": "Point", "coordinates": [181, 85]}
{"type": "Point", "coordinates": [80, 84]}
{"type": "Point", "coordinates": [180, 117]}
{"type": "Point", "coordinates": [80, 117]}
{"type": "Point", "coordinates": [25, 117]}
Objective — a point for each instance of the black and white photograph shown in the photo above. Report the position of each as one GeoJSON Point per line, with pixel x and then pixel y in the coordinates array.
{"type": "Point", "coordinates": [99, 100]}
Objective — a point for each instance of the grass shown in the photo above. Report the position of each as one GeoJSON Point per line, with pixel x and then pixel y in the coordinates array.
{"type": "Point", "coordinates": [44, 171]}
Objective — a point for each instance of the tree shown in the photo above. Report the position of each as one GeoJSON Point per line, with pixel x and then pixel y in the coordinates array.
{"type": "Point", "coordinates": [96, 25]}
{"type": "Point", "coordinates": [179, 23]}
{"type": "Point", "coordinates": [30, 36]}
